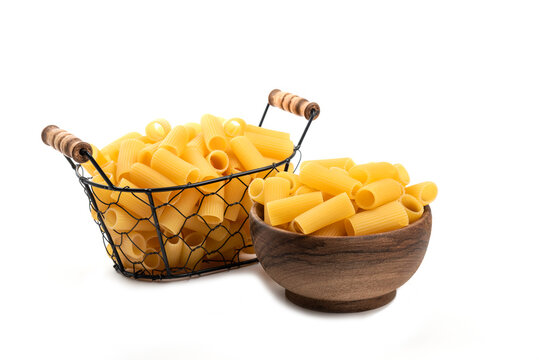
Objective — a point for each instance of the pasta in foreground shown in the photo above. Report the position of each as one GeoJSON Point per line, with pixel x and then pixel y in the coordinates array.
{"type": "Point", "coordinates": [351, 200]}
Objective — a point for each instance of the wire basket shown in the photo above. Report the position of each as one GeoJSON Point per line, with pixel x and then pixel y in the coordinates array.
{"type": "Point", "coordinates": [159, 233]}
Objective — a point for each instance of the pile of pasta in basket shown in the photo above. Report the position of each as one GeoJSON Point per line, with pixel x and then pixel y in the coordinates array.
{"type": "Point", "coordinates": [335, 197]}
{"type": "Point", "coordinates": [199, 226]}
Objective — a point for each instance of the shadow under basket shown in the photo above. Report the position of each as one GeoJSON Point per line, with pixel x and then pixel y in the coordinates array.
{"type": "Point", "coordinates": [159, 233]}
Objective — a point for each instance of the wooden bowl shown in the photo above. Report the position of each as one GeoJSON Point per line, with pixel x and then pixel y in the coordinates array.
{"type": "Point", "coordinates": [341, 273]}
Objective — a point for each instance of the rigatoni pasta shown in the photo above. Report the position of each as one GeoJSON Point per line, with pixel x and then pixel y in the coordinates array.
{"type": "Point", "coordinates": [425, 192]}
{"type": "Point", "coordinates": [321, 178]}
{"type": "Point", "coordinates": [331, 211]}
{"type": "Point", "coordinates": [285, 210]}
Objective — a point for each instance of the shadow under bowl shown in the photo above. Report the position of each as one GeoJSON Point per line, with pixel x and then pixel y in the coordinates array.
{"type": "Point", "coordinates": [340, 273]}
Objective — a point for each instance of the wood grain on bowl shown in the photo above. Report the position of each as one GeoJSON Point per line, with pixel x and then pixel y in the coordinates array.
{"type": "Point", "coordinates": [343, 273]}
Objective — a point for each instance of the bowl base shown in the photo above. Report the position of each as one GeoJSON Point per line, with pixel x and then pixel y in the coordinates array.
{"type": "Point", "coordinates": [340, 306]}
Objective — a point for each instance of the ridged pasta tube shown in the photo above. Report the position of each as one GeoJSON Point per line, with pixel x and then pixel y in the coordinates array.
{"type": "Point", "coordinates": [128, 155]}
{"type": "Point", "coordinates": [158, 129]}
{"type": "Point", "coordinates": [146, 177]}
{"type": "Point", "coordinates": [213, 132]}
{"type": "Point", "coordinates": [285, 210]}
{"type": "Point", "coordinates": [335, 209]}
{"type": "Point", "coordinates": [321, 178]}
{"type": "Point", "coordinates": [247, 153]}
{"type": "Point", "coordinates": [374, 171]}
{"type": "Point", "coordinates": [379, 193]}
{"type": "Point", "coordinates": [174, 168]}
{"type": "Point", "coordinates": [425, 192]}
{"type": "Point", "coordinates": [176, 140]}
{"type": "Point", "coordinates": [413, 207]}
{"type": "Point", "coordinates": [270, 146]}
{"type": "Point", "coordinates": [388, 217]}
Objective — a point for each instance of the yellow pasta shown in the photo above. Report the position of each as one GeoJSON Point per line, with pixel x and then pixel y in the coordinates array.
{"type": "Point", "coordinates": [335, 229]}
{"type": "Point", "coordinates": [425, 192]}
{"type": "Point", "coordinates": [127, 156]}
{"type": "Point", "coordinates": [146, 177]}
{"type": "Point", "coordinates": [157, 129]}
{"type": "Point", "coordinates": [174, 168]}
{"type": "Point", "coordinates": [275, 188]}
{"type": "Point", "coordinates": [176, 140]}
{"type": "Point", "coordinates": [135, 203]}
{"type": "Point", "coordinates": [256, 190]}
{"type": "Point", "coordinates": [235, 190]}
{"type": "Point", "coordinates": [153, 260]}
{"type": "Point", "coordinates": [98, 157]}
{"type": "Point", "coordinates": [268, 132]}
{"type": "Point", "coordinates": [287, 209]}
{"type": "Point", "coordinates": [234, 127]}
{"type": "Point", "coordinates": [379, 193]}
{"type": "Point", "coordinates": [374, 171]}
{"type": "Point", "coordinates": [247, 153]}
{"type": "Point", "coordinates": [212, 208]}
{"type": "Point", "coordinates": [339, 170]}
{"type": "Point", "coordinates": [146, 154]}
{"type": "Point", "coordinates": [198, 143]}
{"type": "Point", "coordinates": [146, 140]}
{"type": "Point", "coordinates": [302, 189]}
{"type": "Point", "coordinates": [174, 248]}
{"type": "Point", "coordinates": [272, 147]}
{"type": "Point", "coordinates": [193, 252]}
{"type": "Point", "coordinates": [112, 150]}
{"type": "Point", "coordinates": [413, 207]}
{"type": "Point", "coordinates": [207, 172]}
{"type": "Point", "coordinates": [218, 159]}
{"type": "Point", "coordinates": [388, 217]}
{"type": "Point", "coordinates": [109, 168]}
{"type": "Point", "coordinates": [120, 220]}
{"type": "Point", "coordinates": [321, 178]}
{"type": "Point", "coordinates": [234, 165]}
{"type": "Point", "coordinates": [335, 209]}
{"type": "Point", "coordinates": [292, 178]}
{"type": "Point", "coordinates": [213, 132]}
{"type": "Point", "coordinates": [193, 129]}
{"type": "Point", "coordinates": [402, 174]}
{"type": "Point", "coordinates": [343, 163]}
{"type": "Point", "coordinates": [216, 232]}
{"type": "Point", "coordinates": [101, 196]}
{"type": "Point", "coordinates": [173, 217]}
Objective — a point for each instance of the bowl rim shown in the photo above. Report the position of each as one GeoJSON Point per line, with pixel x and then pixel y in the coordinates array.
{"type": "Point", "coordinates": [253, 216]}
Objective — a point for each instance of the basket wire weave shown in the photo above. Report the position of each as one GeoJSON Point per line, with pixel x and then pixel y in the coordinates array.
{"type": "Point", "coordinates": [223, 245]}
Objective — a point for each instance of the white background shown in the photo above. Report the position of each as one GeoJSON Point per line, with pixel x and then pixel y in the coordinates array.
{"type": "Point", "coordinates": [450, 89]}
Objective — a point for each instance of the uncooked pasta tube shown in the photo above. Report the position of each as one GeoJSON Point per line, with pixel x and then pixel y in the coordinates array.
{"type": "Point", "coordinates": [212, 207]}
{"type": "Point", "coordinates": [174, 168]}
{"type": "Point", "coordinates": [193, 129]}
{"type": "Point", "coordinates": [134, 203]}
{"type": "Point", "coordinates": [213, 132]}
{"type": "Point", "coordinates": [247, 153]}
{"type": "Point", "coordinates": [173, 249]}
{"type": "Point", "coordinates": [335, 209]}
{"type": "Point", "coordinates": [207, 172]}
{"type": "Point", "coordinates": [271, 147]}
{"type": "Point", "coordinates": [120, 220]}
{"type": "Point", "coordinates": [321, 178]}
{"type": "Point", "coordinates": [176, 140]}
{"type": "Point", "coordinates": [256, 190]}
{"type": "Point", "coordinates": [379, 193]}
{"type": "Point", "coordinates": [425, 192]}
{"type": "Point", "coordinates": [292, 178]}
{"type": "Point", "coordinates": [234, 127]}
{"type": "Point", "coordinates": [193, 252]}
{"type": "Point", "coordinates": [157, 129]}
{"type": "Point", "coordinates": [275, 188]}
{"type": "Point", "coordinates": [146, 177]}
{"type": "Point", "coordinates": [218, 159]}
{"type": "Point", "coordinates": [267, 132]}
{"type": "Point", "coordinates": [146, 154]}
{"type": "Point", "coordinates": [335, 229]}
{"type": "Point", "coordinates": [112, 150]}
{"type": "Point", "coordinates": [343, 163]}
{"type": "Point", "coordinates": [174, 215]}
{"type": "Point", "coordinates": [127, 156]}
{"type": "Point", "coordinates": [413, 207]}
{"type": "Point", "coordinates": [198, 143]}
{"type": "Point", "coordinates": [402, 174]}
{"type": "Point", "coordinates": [388, 217]}
{"type": "Point", "coordinates": [374, 171]}
{"type": "Point", "coordinates": [285, 210]}
{"type": "Point", "coordinates": [235, 190]}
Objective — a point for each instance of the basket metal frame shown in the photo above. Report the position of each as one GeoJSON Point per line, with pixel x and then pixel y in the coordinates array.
{"type": "Point", "coordinates": [118, 266]}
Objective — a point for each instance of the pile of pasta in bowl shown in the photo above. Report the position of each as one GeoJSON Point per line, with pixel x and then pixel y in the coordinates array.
{"type": "Point", "coordinates": [336, 197]}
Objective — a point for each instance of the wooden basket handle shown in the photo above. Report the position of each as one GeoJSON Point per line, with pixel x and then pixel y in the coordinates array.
{"type": "Point", "coordinates": [66, 143]}
{"type": "Point", "coordinates": [293, 104]}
